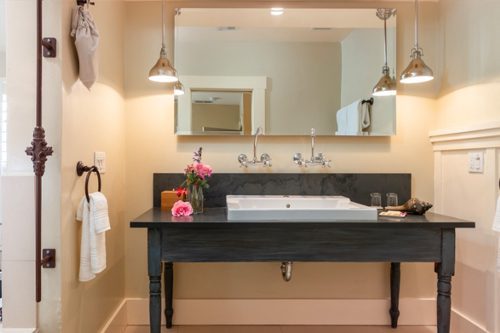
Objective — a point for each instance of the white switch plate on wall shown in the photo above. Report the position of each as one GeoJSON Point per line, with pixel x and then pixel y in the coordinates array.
{"type": "Point", "coordinates": [100, 161]}
{"type": "Point", "coordinates": [476, 162]}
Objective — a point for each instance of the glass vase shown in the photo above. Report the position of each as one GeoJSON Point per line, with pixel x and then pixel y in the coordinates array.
{"type": "Point", "coordinates": [195, 198]}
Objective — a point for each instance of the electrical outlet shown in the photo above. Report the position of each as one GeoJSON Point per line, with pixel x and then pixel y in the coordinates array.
{"type": "Point", "coordinates": [476, 162]}
{"type": "Point", "coordinates": [100, 161]}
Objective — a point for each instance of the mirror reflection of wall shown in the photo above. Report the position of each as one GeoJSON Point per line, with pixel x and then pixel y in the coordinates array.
{"type": "Point", "coordinates": [317, 61]}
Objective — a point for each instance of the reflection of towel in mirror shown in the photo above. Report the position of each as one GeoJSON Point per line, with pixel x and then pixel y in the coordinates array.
{"type": "Point", "coordinates": [95, 222]}
{"type": "Point", "coordinates": [496, 227]}
{"type": "Point", "coordinates": [365, 116]}
{"type": "Point", "coordinates": [84, 30]}
{"type": "Point", "coordinates": [353, 119]}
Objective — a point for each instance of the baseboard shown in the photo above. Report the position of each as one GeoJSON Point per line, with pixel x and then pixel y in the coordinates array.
{"type": "Point", "coordinates": [462, 324]}
{"type": "Point", "coordinates": [287, 312]}
{"type": "Point", "coordinates": [118, 321]}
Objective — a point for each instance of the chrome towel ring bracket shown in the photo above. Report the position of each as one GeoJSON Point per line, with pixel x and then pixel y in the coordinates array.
{"type": "Point", "coordinates": [80, 169]}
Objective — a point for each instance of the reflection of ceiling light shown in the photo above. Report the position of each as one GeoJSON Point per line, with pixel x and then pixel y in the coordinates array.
{"type": "Point", "coordinates": [277, 11]}
{"type": "Point", "coordinates": [386, 86]}
{"type": "Point", "coordinates": [178, 88]}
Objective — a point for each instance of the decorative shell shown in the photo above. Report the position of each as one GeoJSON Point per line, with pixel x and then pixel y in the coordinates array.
{"type": "Point", "coordinates": [412, 206]}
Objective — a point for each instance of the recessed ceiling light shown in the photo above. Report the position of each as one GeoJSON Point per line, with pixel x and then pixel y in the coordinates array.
{"type": "Point", "coordinates": [277, 11]}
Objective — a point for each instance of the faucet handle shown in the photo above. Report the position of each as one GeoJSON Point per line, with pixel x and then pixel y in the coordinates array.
{"type": "Point", "coordinates": [297, 158]}
{"type": "Point", "coordinates": [266, 159]}
{"type": "Point", "coordinates": [243, 159]}
{"type": "Point", "coordinates": [326, 163]}
{"type": "Point", "coordinates": [313, 131]}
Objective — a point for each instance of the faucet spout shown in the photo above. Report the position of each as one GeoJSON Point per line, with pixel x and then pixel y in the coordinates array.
{"type": "Point", "coordinates": [257, 133]}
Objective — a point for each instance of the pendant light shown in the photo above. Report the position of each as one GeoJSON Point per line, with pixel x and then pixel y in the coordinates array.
{"type": "Point", "coordinates": [178, 88]}
{"type": "Point", "coordinates": [163, 71]}
{"type": "Point", "coordinates": [386, 86]}
{"type": "Point", "coordinates": [417, 71]}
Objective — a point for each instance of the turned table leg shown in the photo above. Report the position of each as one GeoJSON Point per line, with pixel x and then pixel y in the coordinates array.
{"type": "Point", "coordinates": [445, 270]}
{"type": "Point", "coordinates": [395, 281]}
{"type": "Point", "coordinates": [169, 284]}
{"type": "Point", "coordinates": [154, 272]}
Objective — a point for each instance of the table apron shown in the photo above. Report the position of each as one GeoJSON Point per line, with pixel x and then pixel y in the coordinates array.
{"type": "Point", "coordinates": [301, 243]}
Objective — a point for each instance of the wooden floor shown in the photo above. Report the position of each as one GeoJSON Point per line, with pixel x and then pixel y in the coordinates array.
{"type": "Point", "coordinates": [286, 329]}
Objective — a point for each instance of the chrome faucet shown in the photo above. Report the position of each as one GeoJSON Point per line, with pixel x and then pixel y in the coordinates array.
{"type": "Point", "coordinates": [265, 159]}
{"type": "Point", "coordinates": [315, 160]}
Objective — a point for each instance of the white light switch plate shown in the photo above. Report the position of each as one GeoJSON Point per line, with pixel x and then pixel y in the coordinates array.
{"type": "Point", "coordinates": [476, 162]}
{"type": "Point", "coordinates": [100, 161]}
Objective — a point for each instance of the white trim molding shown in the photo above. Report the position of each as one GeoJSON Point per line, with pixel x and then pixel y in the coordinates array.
{"type": "Point", "coordinates": [461, 323]}
{"type": "Point", "coordinates": [421, 311]}
{"type": "Point", "coordinates": [470, 137]}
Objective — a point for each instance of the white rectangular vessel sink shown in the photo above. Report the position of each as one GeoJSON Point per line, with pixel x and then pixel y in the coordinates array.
{"type": "Point", "coordinates": [296, 208]}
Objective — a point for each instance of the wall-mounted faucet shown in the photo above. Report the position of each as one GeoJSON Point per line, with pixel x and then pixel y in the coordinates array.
{"type": "Point", "coordinates": [315, 159]}
{"type": "Point", "coordinates": [265, 159]}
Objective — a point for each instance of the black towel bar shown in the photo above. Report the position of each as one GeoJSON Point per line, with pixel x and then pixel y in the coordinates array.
{"type": "Point", "coordinates": [80, 169]}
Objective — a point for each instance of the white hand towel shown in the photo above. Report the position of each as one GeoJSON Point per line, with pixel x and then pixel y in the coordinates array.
{"type": "Point", "coordinates": [496, 227]}
{"type": "Point", "coordinates": [95, 222]}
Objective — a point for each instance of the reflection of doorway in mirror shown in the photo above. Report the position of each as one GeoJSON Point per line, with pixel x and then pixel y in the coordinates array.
{"type": "Point", "coordinates": [215, 110]}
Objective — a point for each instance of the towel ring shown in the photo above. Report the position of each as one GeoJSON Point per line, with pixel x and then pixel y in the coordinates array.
{"type": "Point", "coordinates": [80, 169]}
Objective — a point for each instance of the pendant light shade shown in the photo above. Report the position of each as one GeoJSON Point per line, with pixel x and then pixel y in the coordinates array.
{"type": "Point", "coordinates": [178, 88]}
{"type": "Point", "coordinates": [163, 71]}
{"type": "Point", "coordinates": [386, 86]}
{"type": "Point", "coordinates": [417, 71]}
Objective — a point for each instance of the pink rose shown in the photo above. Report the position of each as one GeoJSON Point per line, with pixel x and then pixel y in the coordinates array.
{"type": "Point", "coordinates": [182, 208]}
{"type": "Point", "coordinates": [202, 170]}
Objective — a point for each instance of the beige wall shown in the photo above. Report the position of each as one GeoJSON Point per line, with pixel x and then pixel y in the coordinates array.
{"type": "Point", "coordinates": [469, 98]}
{"type": "Point", "coordinates": [152, 147]}
{"type": "Point", "coordinates": [93, 121]}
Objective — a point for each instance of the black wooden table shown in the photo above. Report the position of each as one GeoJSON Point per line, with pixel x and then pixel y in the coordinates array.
{"type": "Point", "coordinates": [210, 237]}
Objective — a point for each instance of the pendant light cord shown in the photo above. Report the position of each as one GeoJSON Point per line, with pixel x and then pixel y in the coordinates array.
{"type": "Point", "coordinates": [385, 43]}
{"type": "Point", "coordinates": [417, 47]}
{"type": "Point", "coordinates": [163, 24]}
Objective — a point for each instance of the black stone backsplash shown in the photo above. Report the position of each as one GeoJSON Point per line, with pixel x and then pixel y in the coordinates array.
{"type": "Point", "coordinates": [357, 187]}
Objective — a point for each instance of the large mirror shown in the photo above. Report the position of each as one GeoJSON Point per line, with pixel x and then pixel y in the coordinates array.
{"type": "Point", "coordinates": [245, 68]}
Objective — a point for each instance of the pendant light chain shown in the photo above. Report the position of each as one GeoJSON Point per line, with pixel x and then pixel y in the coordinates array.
{"type": "Point", "coordinates": [417, 47]}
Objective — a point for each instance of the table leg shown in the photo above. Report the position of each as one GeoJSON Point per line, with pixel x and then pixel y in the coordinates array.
{"type": "Point", "coordinates": [395, 282]}
{"type": "Point", "coordinates": [169, 289]}
{"type": "Point", "coordinates": [154, 272]}
{"type": "Point", "coordinates": [445, 270]}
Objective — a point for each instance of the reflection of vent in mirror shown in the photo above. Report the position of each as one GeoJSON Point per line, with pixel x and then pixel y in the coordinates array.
{"type": "Point", "coordinates": [321, 28]}
{"type": "Point", "coordinates": [228, 28]}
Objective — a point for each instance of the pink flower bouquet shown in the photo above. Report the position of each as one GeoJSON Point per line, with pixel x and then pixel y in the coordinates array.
{"type": "Point", "coordinates": [197, 172]}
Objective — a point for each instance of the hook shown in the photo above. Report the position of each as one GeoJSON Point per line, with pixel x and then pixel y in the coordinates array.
{"type": "Point", "coordinates": [84, 2]}
{"type": "Point", "coordinates": [80, 169]}
{"type": "Point", "coordinates": [369, 101]}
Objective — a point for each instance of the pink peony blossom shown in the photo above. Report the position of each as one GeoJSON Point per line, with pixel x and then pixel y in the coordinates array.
{"type": "Point", "coordinates": [202, 170]}
{"type": "Point", "coordinates": [182, 208]}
